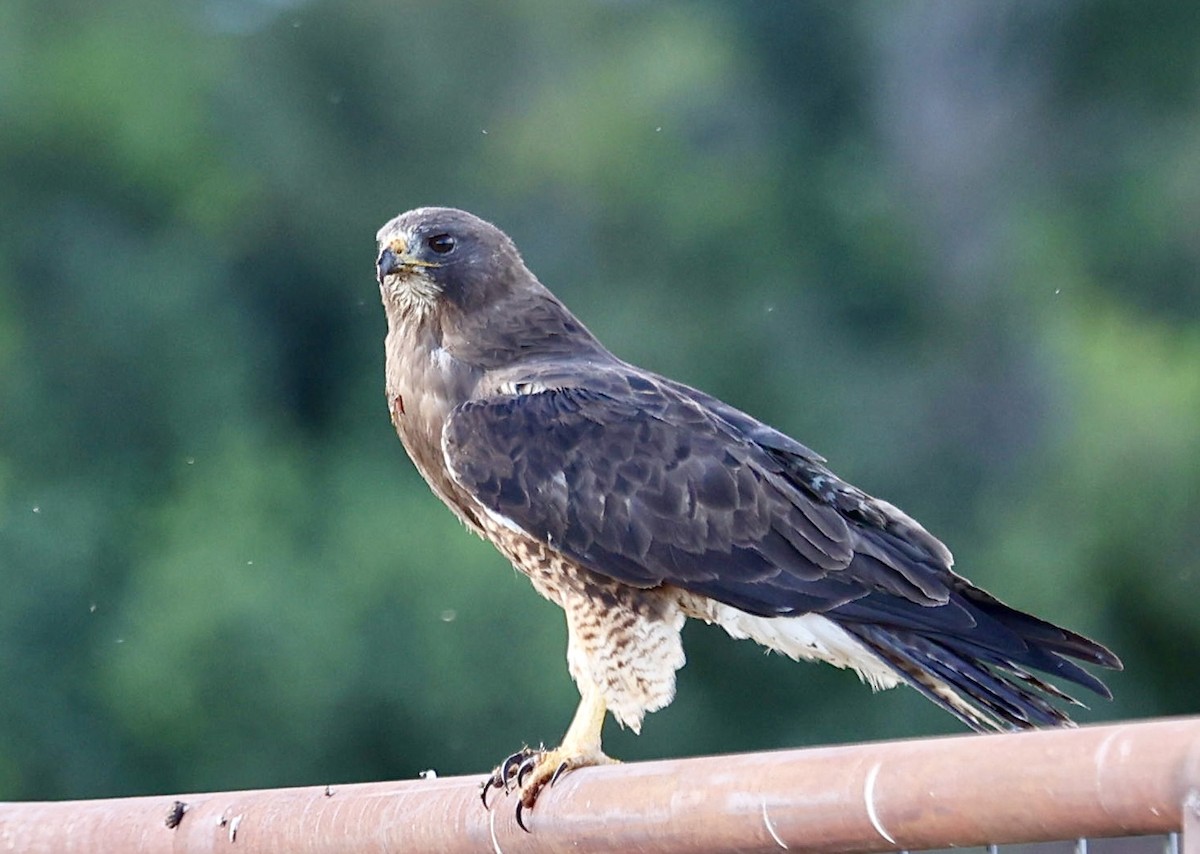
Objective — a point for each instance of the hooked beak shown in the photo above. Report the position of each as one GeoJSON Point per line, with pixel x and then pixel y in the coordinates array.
{"type": "Point", "coordinates": [394, 258]}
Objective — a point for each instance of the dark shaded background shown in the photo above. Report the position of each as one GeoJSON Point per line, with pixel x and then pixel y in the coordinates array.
{"type": "Point", "coordinates": [951, 245]}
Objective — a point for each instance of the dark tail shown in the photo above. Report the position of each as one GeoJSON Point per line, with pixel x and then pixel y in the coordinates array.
{"type": "Point", "coordinates": [978, 670]}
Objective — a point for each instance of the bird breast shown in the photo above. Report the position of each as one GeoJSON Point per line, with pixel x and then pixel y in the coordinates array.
{"type": "Point", "coordinates": [424, 385]}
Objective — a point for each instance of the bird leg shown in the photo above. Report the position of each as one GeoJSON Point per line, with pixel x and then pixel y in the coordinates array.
{"type": "Point", "coordinates": [530, 770]}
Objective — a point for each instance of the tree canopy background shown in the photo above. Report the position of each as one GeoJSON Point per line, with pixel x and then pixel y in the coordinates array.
{"type": "Point", "coordinates": [953, 246]}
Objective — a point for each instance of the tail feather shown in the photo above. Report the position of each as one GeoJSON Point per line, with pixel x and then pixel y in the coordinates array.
{"type": "Point", "coordinates": [983, 675]}
{"type": "Point", "coordinates": [977, 696]}
{"type": "Point", "coordinates": [1046, 687]}
{"type": "Point", "coordinates": [1032, 657]}
{"type": "Point", "coordinates": [1040, 633]}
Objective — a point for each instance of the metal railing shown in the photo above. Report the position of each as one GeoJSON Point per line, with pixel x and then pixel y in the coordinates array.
{"type": "Point", "coordinates": [1118, 780]}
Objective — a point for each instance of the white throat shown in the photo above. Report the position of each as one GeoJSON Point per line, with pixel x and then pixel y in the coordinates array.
{"type": "Point", "coordinates": [412, 295]}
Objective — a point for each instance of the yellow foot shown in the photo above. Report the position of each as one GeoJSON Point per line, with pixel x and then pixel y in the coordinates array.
{"type": "Point", "coordinates": [528, 771]}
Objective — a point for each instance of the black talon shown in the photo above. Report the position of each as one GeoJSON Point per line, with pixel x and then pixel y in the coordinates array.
{"type": "Point", "coordinates": [526, 768]}
{"type": "Point", "coordinates": [510, 767]}
{"type": "Point", "coordinates": [557, 773]}
{"type": "Point", "coordinates": [511, 773]}
{"type": "Point", "coordinates": [501, 775]}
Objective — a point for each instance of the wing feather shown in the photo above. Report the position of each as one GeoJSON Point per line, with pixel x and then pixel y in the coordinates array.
{"type": "Point", "coordinates": [649, 483]}
{"type": "Point", "coordinates": [657, 490]}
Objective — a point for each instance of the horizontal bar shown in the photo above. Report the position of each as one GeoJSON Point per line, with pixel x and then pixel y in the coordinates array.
{"type": "Point", "coordinates": [1115, 780]}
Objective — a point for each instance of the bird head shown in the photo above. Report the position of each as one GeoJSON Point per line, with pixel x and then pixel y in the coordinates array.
{"type": "Point", "coordinates": [442, 258]}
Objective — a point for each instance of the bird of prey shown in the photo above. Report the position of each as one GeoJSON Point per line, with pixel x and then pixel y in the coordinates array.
{"type": "Point", "coordinates": [635, 502]}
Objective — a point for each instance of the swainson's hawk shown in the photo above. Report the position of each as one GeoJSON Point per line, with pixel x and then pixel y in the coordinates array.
{"type": "Point", "coordinates": [635, 502]}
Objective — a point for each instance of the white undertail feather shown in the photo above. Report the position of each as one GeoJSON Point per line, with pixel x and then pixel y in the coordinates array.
{"type": "Point", "coordinates": [810, 637]}
{"type": "Point", "coordinates": [816, 638]}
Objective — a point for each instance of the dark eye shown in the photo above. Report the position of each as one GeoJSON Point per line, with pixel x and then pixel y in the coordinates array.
{"type": "Point", "coordinates": [442, 244]}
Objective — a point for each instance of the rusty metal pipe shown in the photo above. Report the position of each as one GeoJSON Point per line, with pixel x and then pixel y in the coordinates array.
{"type": "Point", "coordinates": [1123, 779]}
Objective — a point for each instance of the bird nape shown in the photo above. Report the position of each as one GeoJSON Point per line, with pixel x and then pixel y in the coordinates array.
{"type": "Point", "coordinates": [635, 502]}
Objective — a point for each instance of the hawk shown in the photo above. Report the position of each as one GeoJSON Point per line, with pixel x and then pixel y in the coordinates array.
{"type": "Point", "coordinates": [635, 502]}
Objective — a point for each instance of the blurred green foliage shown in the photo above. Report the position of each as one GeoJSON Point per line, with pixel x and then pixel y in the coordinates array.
{"type": "Point", "coordinates": [951, 245]}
